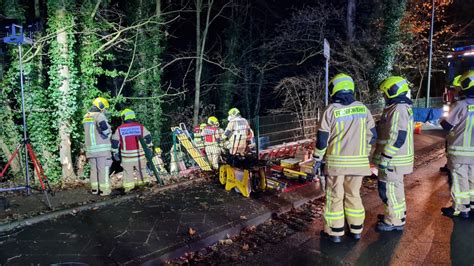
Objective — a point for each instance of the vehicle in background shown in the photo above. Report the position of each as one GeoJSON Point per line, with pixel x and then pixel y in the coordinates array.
{"type": "Point", "coordinates": [460, 60]}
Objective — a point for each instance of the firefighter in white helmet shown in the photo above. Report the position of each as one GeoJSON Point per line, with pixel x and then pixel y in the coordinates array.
{"type": "Point", "coordinates": [345, 133]}
{"type": "Point", "coordinates": [97, 134]}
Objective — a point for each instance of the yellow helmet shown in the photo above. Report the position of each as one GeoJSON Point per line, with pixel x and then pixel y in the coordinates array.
{"type": "Point", "coordinates": [101, 103]}
{"type": "Point", "coordinates": [466, 81]}
{"type": "Point", "coordinates": [202, 126]}
{"type": "Point", "coordinates": [341, 82]}
{"type": "Point", "coordinates": [456, 82]}
{"type": "Point", "coordinates": [394, 86]}
{"type": "Point", "coordinates": [128, 114]}
{"type": "Point", "coordinates": [233, 112]}
{"type": "Point", "coordinates": [212, 120]}
{"type": "Point", "coordinates": [158, 150]}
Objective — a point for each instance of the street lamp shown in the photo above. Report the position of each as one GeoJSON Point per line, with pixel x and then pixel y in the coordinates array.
{"type": "Point", "coordinates": [430, 54]}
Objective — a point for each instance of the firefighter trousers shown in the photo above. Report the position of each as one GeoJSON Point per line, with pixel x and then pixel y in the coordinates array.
{"type": "Point", "coordinates": [462, 189]}
{"type": "Point", "coordinates": [392, 192]}
{"type": "Point", "coordinates": [343, 202]}
{"type": "Point", "coordinates": [99, 174]}
{"type": "Point", "coordinates": [130, 165]}
{"type": "Point", "coordinates": [213, 152]}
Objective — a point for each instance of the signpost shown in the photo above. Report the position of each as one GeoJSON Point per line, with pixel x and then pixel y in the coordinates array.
{"type": "Point", "coordinates": [327, 56]}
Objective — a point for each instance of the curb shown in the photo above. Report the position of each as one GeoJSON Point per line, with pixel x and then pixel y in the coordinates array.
{"type": "Point", "coordinates": [74, 210]}
{"type": "Point", "coordinates": [232, 228]}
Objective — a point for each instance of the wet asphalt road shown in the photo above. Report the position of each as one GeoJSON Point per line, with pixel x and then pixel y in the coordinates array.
{"type": "Point", "coordinates": [429, 238]}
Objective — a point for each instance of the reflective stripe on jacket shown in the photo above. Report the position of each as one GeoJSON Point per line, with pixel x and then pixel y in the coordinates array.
{"type": "Point", "coordinates": [460, 138]}
{"type": "Point", "coordinates": [349, 136]}
{"type": "Point", "coordinates": [127, 136]}
{"type": "Point", "coordinates": [210, 134]}
{"type": "Point", "coordinates": [396, 118]}
{"type": "Point", "coordinates": [97, 140]}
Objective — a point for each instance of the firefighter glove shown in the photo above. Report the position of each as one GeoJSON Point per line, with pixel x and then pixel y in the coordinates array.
{"type": "Point", "coordinates": [384, 163]}
{"type": "Point", "coordinates": [116, 157]}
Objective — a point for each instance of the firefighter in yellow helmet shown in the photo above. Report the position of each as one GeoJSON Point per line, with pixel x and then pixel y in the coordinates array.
{"type": "Point", "coordinates": [126, 138]}
{"type": "Point", "coordinates": [211, 135]}
{"type": "Point", "coordinates": [160, 165]}
{"type": "Point", "coordinates": [344, 136]}
{"type": "Point", "coordinates": [460, 125]}
{"type": "Point", "coordinates": [97, 134]}
{"type": "Point", "coordinates": [394, 152]}
{"type": "Point", "coordinates": [238, 133]}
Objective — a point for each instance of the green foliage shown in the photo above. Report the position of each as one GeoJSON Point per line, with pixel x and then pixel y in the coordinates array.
{"type": "Point", "coordinates": [390, 40]}
{"type": "Point", "coordinates": [147, 92]}
{"type": "Point", "coordinates": [63, 85]}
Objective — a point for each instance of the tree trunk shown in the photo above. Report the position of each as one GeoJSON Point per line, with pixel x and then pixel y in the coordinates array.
{"type": "Point", "coordinates": [197, 71]}
{"type": "Point", "coordinates": [200, 47]}
{"type": "Point", "coordinates": [64, 126]}
{"type": "Point", "coordinates": [350, 19]}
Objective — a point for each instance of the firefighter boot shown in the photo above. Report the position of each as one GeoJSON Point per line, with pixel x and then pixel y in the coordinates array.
{"type": "Point", "coordinates": [382, 226]}
{"type": "Point", "coordinates": [451, 212]}
{"type": "Point", "coordinates": [334, 239]}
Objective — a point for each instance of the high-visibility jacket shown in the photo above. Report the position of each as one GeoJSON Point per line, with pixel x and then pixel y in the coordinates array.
{"type": "Point", "coordinates": [97, 135]}
{"type": "Point", "coordinates": [238, 126]}
{"type": "Point", "coordinates": [197, 137]}
{"type": "Point", "coordinates": [460, 137]}
{"type": "Point", "coordinates": [211, 135]}
{"type": "Point", "coordinates": [397, 119]}
{"type": "Point", "coordinates": [127, 138]}
{"type": "Point", "coordinates": [348, 131]}
{"type": "Point", "coordinates": [238, 132]}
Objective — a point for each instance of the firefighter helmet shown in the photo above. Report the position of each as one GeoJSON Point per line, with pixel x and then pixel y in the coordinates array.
{"type": "Point", "coordinates": [341, 82]}
{"type": "Point", "coordinates": [394, 86]}
{"type": "Point", "coordinates": [456, 82]}
{"type": "Point", "coordinates": [101, 103]}
{"type": "Point", "coordinates": [158, 150]}
{"type": "Point", "coordinates": [233, 112]}
{"type": "Point", "coordinates": [202, 125]}
{"type": "Point", "coordinates": [466, 81]}
{"type": "Point", "coordinates": [212, 120]}
{"type": "Point", "coordinates": [128, 114]}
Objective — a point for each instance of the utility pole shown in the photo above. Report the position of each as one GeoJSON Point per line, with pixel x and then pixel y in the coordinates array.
{"type": "Point", "coordinates": [428, 88]}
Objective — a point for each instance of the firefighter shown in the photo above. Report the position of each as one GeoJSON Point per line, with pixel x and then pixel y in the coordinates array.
{"type": "Point", "coordinates": [238, 133]}
{"type": "Point", "coordinates": [460, 125]}
{"type": "Point", "coordinates": [160, 165]}
{"type": "Point", "coordinates": [345, 133]}
{"type": "Point", "coordinates": [197, 137]}
{"type": "Point", "coordinates": [97, 133]}
{"type": "Point", "coordinates": [126, 137]}
{"type": "Point", "coordinates": [394, 152]}
{"type": "Point", "coordinates": [212, 138]}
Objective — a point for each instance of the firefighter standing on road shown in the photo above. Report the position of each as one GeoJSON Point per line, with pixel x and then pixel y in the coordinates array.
{"type": "Point", "coordinates": [97, 133]}
{"type": "Point", "coordinates": [345, 133]}
{"type": "Point", "coordinates": [238, 133]}
{"type": "Point", "coordinates": [394, 152]}
{"type": "Point", "coordinates": [460, 124]}
{"type": "Point", "coordinates": [212, 137]}
{"type": "Point", "coordinates": [126, 138]}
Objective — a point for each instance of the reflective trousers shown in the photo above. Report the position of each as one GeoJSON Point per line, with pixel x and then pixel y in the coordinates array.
{"type": "Point", "coordinates": [129, 166]}
{"type": "Point", "coordinates": [99, 174]}
{"type": "Point", "coordinates": [343, 202]}
{"type": "Point", "coordinates": [237, 144]}
{"type": "Point", "coordinates": [213, 151]}
{"type": "Point", "coordinates": [392, 192]}
{"type": "Point", "coordinates": [462, 189]}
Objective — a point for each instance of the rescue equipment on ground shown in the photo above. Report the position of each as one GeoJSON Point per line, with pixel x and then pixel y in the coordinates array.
{"type": "Point", "coordinates": [185, 139]}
